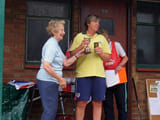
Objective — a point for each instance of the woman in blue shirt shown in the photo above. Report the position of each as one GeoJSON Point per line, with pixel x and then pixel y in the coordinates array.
{"type": "Point", "coordinates": [49, 76]}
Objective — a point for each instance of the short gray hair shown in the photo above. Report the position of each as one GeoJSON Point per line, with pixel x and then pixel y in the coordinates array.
{"type": "Point", "coordinates": [53, 25]}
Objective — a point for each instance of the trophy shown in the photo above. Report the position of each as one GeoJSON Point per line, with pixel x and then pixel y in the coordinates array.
{"type": "Point", "coordinates": [87, 49]}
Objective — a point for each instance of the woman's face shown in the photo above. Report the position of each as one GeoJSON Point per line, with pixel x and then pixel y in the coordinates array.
{"type": "Point", "coordinates": [58, 35]}
{"type": "Point", "coordinates": [93, 25]}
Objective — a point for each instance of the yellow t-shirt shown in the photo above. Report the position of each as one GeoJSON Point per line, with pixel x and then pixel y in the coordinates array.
{"type": "Point", "coordinates": [90, 64]}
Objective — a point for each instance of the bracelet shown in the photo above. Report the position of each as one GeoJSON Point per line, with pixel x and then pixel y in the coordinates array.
{"type": "Point", "coordinates": [76, 56]}
{"type": "Point", "coordinates": [120, 65]}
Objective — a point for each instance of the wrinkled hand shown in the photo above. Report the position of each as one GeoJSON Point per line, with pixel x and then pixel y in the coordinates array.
{"type": "Point", "coordinates": [118, 68]}
{"type": "Point", "coordinates": [85, 43]}
{"type": "Point", "coordinates": [62, 83]}
{"type": "Point", "coordinates": [80, 53]}
{"type": "Point", "coordinates": [98, 50]}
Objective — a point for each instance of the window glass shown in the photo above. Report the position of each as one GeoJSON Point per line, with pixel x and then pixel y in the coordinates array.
{"type": "Point", "coordinates": [52, 9]}
{"type": "Point", "coordinates": [144, 17]}
{"type": "Point", "coordinates": [148, 12]}
{"type": "Point", "coordinates": [39, 13]}
{"type": "Point", "coordinates": [148, 35]}
{"type": "Point", "coordinates": [148, 44]}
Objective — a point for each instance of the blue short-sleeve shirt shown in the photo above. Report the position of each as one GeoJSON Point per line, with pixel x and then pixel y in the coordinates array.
{"type": "Point", "coordinates": [52, 53]}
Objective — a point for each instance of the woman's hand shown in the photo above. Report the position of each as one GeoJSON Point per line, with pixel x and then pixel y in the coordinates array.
{"type": "Point", "coordinates": [98, 50]}
{"type": "Point", "coordinates": [118, 68]}
{"type": "Point", "coordinates": [71, 60]}
{"type": "Point", "coordinates": [104, 56]}
{"type": "Point", "coordinates": [62, 83]}
{"type": "Point", "coordinates": [80, 53]}
{"type": "Point", "coordinates": [48, 68]}
{"type": "Point", "coordinates": [85, 43]}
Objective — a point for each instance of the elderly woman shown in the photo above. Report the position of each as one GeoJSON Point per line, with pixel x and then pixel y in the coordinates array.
{"type": "Point", "coordinates": [49, 77]}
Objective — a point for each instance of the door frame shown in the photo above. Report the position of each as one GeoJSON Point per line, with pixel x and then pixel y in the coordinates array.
{"type": "Point", "coordinates": [128, 48]}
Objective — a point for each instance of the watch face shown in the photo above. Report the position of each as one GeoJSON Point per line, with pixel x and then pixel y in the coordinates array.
{"type": "Point", "coordinates": [96, 44]}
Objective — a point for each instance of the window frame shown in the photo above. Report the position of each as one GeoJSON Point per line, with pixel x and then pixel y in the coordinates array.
{"type": "Point", "coordinates": [36, 64]}
{"type": "Point", "coordinates": [146, 67]}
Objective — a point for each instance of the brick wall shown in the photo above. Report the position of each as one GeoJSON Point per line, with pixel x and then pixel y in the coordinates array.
{"type": "Point", "coordinates": [14, 46]}
{"type": "Point", "coordinates": [139, 77]}
{"type": "Point", "coordinates": [14, 43]}
{"type": "Point", "coordinates": [14, 51]}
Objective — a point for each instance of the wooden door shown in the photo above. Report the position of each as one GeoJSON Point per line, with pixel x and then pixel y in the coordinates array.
{"type": "Point", "coordinates": [114, 10]}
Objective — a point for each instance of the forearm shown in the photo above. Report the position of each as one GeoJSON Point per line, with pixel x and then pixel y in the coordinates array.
{"type": "Point", "coordinates": [105, 56]}
{"type": "Point", "coordinates": [121, 64]}
{"type": "Point", "coordinates": [76, 50]}
{"type": "Point", "coordinates": [123, 61]}
{"type": "Point", "coordinates": [51, 71]}
{"type": "Point", "coordinates": [70, 61]}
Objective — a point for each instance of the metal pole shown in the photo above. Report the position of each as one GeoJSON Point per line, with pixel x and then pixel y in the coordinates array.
{"type": "Point", "coordinates": [138, 105]}
{"type": "Point", "coordinates": [2, 9]}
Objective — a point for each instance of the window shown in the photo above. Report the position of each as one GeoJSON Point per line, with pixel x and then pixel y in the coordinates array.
{"type": "Point", "coordinates": [148, 36]}
{"type": "Point", "coordinates": [38, 15]}
{"type": "Point", "coordinates": [108, 24]}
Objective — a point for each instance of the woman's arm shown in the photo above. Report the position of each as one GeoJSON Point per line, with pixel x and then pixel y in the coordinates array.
{"type": "Point", "coordinates": [104, 56]}
{"type": "Point", "coordinates": [122, 54]}
{"type": "Point", "coordinates": [71, 60]}
{"type": "Point", "coordinates": [51, 72]}
{"type": "Point", "coordinates": [81, 47]}
{"type": "Point", "coordinates": [122, 63]}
